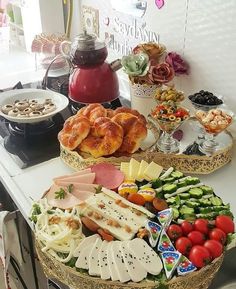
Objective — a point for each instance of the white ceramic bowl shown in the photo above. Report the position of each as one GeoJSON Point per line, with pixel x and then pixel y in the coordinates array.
{"type": "Point", "coordinates": [10, 96]}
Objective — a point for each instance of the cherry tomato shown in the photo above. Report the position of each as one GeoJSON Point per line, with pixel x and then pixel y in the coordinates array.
{"type": "Point", "coordinates": [186, 227]}
{"type": "Point", "coordinates": [183, 245]}
{"type": "Point", "coordinates": [225, 223]}
{"type": "Point", "coordinates": [199, 256]}
{"type": "Point", "coordinates": [196, 237]}
{"type": "Point", "coordinates": [202, 226]}
{"type": "Point", "coordinates": [136, 199]}
{"type": "Point", "coordinates": [218, 235]}
{"type": "Point", "coordinates": [174, 232]}
{"type": "Point", "coordinates": [214, 247]}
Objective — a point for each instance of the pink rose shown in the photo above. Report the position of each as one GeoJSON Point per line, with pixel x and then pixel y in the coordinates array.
{"type": "Point", "coordinates": [178, 64]}
{"type": "Point", "coordinates": [161, 73]}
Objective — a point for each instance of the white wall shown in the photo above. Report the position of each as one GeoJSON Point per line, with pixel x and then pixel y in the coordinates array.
{"type": "Point", "coordinates": [204, 32]}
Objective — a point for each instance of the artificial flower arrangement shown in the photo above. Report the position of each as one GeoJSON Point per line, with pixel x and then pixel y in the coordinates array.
{"type": "Point", "coordinates": [150, 63]}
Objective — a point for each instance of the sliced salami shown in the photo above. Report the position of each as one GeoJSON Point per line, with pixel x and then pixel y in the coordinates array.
{"type": "Point", "coordinates": [107, 175]}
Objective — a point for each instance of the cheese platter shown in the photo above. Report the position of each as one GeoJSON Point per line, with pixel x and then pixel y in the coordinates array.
{"type": "Point", "coordinates": [125, 228]}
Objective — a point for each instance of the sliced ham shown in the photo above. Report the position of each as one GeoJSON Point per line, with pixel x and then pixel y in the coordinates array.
{"type": "Point", "coordinates": [79, 173]}
{"type": "Point", "coordinates": [68, 202]}
{"type": "Point", "coordinates": [107, 175]}
{"type": "Point", "coordinates": [85, 178]}
{"type": "Point", "coordinates": [82, 195]}
{"type": "Point", "coordinates": [78, 186]}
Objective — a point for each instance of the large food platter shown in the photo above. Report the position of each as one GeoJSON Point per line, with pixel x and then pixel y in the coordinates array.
{"type": "Point", "coordinates": [186, 163]}
{"type": "Point", "coordinates": [54, 269]}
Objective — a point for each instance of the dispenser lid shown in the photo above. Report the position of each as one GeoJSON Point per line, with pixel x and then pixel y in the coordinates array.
{"type": "Point", "coordinates": [86, 42]}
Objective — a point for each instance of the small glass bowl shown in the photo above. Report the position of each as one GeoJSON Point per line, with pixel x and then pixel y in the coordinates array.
{"type": "Point", "coordinates": [171, 95]}
{"type": "Point", "coordinates": [206, 107]}
{"type": "Point", "coordinates": [213, 125]}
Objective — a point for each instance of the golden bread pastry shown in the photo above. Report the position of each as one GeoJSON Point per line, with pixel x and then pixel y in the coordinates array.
{"type": "Point", "coordinates": [134, 131]}
{"type": "Point", "coordinates": [105, 137]}
{"type": "Point", "coordinates": [75, 129]}
{"type": "Point", "coordinates": [132, 111]}
{"type": "Point", "coordinates": [93, 111]}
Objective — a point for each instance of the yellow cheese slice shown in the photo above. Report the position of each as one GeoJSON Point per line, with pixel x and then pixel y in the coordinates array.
{"type": "Point", "coordinates": [153, 171]}
{"type": "Point", "coordinates": [133, 169]}
{"type": "Point", "coordinates": [124, 167]}
{"type": "Point", "coordinates": [142, 168]}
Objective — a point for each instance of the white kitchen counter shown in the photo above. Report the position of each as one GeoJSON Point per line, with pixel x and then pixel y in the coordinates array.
{"type": "Point", "coordinates": [27, 185]}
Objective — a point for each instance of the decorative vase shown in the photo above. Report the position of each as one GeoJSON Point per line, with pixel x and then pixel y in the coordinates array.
{"type": "Point", "coordinates": [142, 97]}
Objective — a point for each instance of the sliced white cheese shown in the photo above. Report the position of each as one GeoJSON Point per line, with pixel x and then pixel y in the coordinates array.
{"type": "Point", "coordinates": [118, 232]}
{"type": "Point", "coordinates": [93, 261]}
{"type": "Point", "coordinates": [124, 167]}
{"type": "Point", "coordinates": [84, 243]}
{"type": "Point", "coordinates": [82, 261]}
{"type": "Point", "coordinates": [124, 216]}
{"type": "Point", "coordinates": [142, 168]}
{"type": "Point", "coordinates": [116, 196]}
{"type": "Point", "coordinates": [145, 255]}
{"type": "Point", "coordinates": [133, 169]}
{"type": "Point", "coordinates": [136, 271]}
{"type": "Point", "coordinates": [111, 264]}
{"type": "Point", "coordinates": [103, 261]}
{"type": "Point", "coordinates": [153, 171]}
{"type": "Point", "coordinates": [119, 262]}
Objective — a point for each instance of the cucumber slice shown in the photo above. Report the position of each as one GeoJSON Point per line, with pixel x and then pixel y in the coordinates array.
{"type": "Point", "coordinates": [205, 202]}
{"type": "Point", "coordinates": [184, 196]}
{"type": "Point", "coordinates": [216, 201]}
{"type": "Point", "coordinates": [175, 213]}
{"type": "Point", "coordinates": [192, 181]}
{"type": "Point", "coordinates": [171, 200]}
{"type": "Point", "coordinates": [192, 204]}
{"type": "Point", "coordinates": [196, 193]}
{"type": "Point", "coordinates": [169, 180]}
{"type": "Point", "coordinates": [181, 184]}
{"type": "Point", "coordinates": [177, 174]}
{"type": "Point", "coordinates": [169, 188]}
{"type": "Point", "coordinates": [207, 190]}
{"type": "Point", "coordinates": [184, 210]}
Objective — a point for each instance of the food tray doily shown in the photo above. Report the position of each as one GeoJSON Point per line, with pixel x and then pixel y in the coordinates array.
{"type": "Point", "coordinates": [54, 269]}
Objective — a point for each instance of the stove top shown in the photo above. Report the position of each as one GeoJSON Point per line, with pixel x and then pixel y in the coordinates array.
{"type": "Point", "coordinates": [30, 144]}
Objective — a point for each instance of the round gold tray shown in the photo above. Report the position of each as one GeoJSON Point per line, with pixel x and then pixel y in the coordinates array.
{"type": "Point", "coordinates": [54, 269]}
{"type": "Point", "coordinates": [185, 163]}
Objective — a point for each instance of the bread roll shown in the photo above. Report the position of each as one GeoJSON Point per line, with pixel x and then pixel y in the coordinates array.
{"type": "Point", "coordinates": [134, 131]}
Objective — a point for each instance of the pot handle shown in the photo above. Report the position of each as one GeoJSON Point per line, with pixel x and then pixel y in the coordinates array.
{"type": "Point", "coordinates": [64, 48]}
{"type": "Point", "coordinates": [45, 79]}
